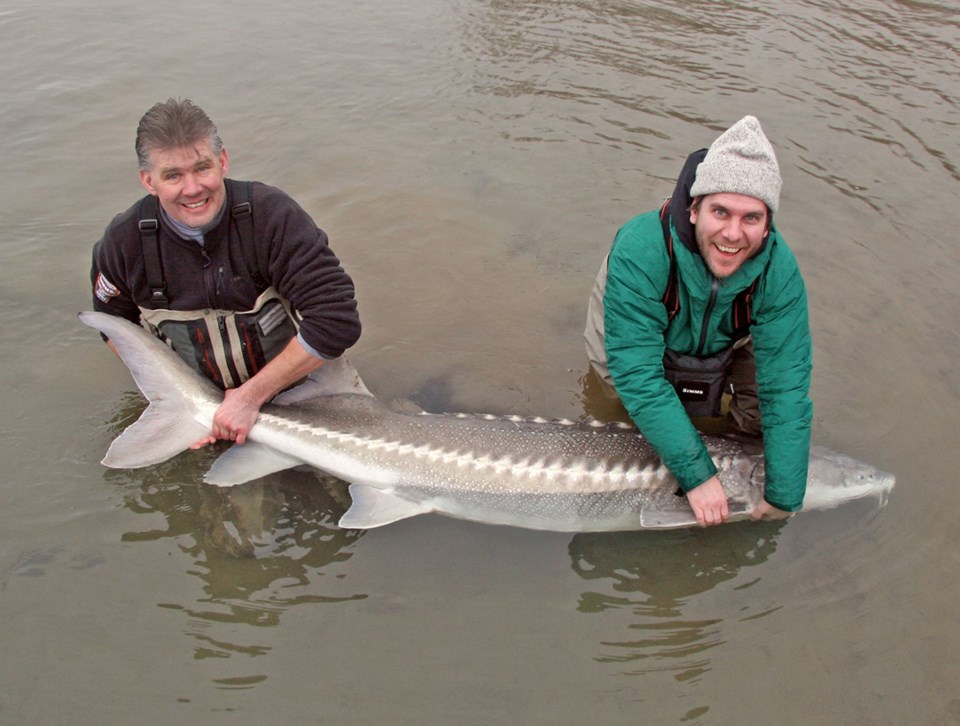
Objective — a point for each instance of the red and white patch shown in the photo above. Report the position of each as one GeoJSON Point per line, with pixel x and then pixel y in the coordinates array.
{"type": "Point", "coordinates": [104, 289]}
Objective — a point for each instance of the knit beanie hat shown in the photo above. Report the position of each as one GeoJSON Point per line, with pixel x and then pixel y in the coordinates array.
{"type": "Point", "coordinates": [740, 161]}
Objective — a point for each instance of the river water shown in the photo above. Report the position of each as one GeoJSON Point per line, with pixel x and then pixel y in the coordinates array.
{"type": "Point", "coordinates": [471, 161]}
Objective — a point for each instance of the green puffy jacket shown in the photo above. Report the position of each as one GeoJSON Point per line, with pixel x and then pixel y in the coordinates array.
{"type": "Point", "coordinates": [637, 331]}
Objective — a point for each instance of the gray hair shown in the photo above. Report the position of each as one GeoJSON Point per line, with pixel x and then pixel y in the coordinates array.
{"type": "Point", "coordinates": [171, 125]}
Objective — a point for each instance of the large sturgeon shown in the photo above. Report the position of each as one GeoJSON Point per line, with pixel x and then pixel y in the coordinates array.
{"type": "Point", "coordinates": [527, 472]}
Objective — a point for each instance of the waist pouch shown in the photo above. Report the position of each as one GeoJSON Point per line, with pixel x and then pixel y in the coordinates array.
{"type": "Point", "coordinates": [225, 346]}
{"type": "Point", "coordinates": [699, 382]}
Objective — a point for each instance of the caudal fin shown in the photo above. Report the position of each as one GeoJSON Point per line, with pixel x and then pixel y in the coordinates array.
{"type": "Point", "coordinates": [162, 431]}
{"type": "Point", "coordinates": [176, 417]}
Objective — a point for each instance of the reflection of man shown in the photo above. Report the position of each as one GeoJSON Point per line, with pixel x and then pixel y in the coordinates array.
{"type": "Point", "coordinates": [704, 293]}
{"type": "Point", "coordinates": [234, 275]}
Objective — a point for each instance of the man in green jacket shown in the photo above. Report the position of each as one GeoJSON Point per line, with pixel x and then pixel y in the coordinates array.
{"type": "Point", "coordinates": [701, 294]}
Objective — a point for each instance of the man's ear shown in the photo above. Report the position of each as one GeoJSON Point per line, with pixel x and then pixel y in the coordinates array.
{"type": "Point", "coordinates": [146, 178]}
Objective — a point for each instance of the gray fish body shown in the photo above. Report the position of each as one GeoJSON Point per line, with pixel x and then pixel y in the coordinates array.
{"type": "Point", "coordinates": [534, 473]}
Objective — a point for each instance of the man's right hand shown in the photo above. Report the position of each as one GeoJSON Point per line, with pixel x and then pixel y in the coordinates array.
{"type": "Point", "coordinates": [709, 503]}
{"type": "Point", "coordinates": [765, 510]}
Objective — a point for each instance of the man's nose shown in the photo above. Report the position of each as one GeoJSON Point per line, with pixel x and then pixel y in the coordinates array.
{"type": "Point", "coordinates": [733, 230]}
{"type": "Point", "coordinates": [191, 185]}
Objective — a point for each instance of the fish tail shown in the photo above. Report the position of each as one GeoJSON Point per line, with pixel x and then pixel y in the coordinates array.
{"type": "Point", "coordinates": [173, 421]}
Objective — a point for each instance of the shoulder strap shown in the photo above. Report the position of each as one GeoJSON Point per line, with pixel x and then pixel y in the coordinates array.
{"type": "Point", "coordinates": [150, 241]}
{"type": "Point", "coordinates": [742, 313]}
{"type": "Point", "coordinates": [243, 215]}
{"type": "Point", "coordinates": [671, 298]}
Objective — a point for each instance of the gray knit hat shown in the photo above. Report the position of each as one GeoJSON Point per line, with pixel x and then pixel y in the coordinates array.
{"type": "Point", "coordinates": [740, 161]}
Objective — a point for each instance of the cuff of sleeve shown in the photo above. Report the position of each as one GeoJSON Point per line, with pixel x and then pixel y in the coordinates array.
{"type": "Point", "coordinates": [310, 349]}
{"type": "Point", "coordinates": [696, 474]}
{"type": "Point", "coordinates": [795, 507]}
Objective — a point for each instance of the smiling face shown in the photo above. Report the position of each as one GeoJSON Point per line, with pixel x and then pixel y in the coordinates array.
{"type": "Point", "coordinates": [188, 182]}
{"type": "Point", "coordinates": [730, 229]}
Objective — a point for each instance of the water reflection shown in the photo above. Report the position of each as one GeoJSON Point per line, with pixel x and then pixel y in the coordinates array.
{"type": "Point", "coordinates": [258, 549]}
{"type": "Point", "coordinates": [654, 576]}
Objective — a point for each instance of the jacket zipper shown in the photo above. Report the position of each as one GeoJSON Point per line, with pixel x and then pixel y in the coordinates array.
{"type": "Point", "coordinates": [714, 288]}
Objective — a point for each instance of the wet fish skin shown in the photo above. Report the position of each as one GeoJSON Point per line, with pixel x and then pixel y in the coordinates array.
{"type": "Point", "coordinates": [556, 475]}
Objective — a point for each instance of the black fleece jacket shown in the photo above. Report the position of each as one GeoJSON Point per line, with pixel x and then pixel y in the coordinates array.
{"type": "Point", "coordinates": [293, 255]}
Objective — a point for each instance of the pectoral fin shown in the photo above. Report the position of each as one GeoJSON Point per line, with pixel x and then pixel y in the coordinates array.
{"type": "Point", "coordinates": [667, 519]}
{"type": "Point", "coordinates": [374, 508]}
{"type": "Point", "coordinates": [672, 519]}
{"type": "Point", "coordinates": [244, 463]}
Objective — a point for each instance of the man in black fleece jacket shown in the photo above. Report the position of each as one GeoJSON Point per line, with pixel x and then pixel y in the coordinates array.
{"type": "Point", "coordinates": [236, 276]}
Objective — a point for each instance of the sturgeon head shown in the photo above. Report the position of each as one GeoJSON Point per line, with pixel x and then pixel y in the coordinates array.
{"type": "Point", "coordinates": [833, 479]}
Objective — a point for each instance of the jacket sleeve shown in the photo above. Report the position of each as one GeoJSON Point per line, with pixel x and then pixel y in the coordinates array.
{"type": "Point", "coordinates": [109, 272]}
{"type": "Point", "coordinates": [635, 320]}
{"type": "Point", "coordinates": [306, 271]}
{"type": "Point", "coordinates": [784, 356]}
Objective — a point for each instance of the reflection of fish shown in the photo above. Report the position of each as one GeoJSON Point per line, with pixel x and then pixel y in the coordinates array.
{"type": "Point", "coordinates": [556, 475]}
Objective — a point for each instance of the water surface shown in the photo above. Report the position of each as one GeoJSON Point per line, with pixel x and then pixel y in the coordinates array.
{"type": "Point", "coordinates": [471, 162]}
